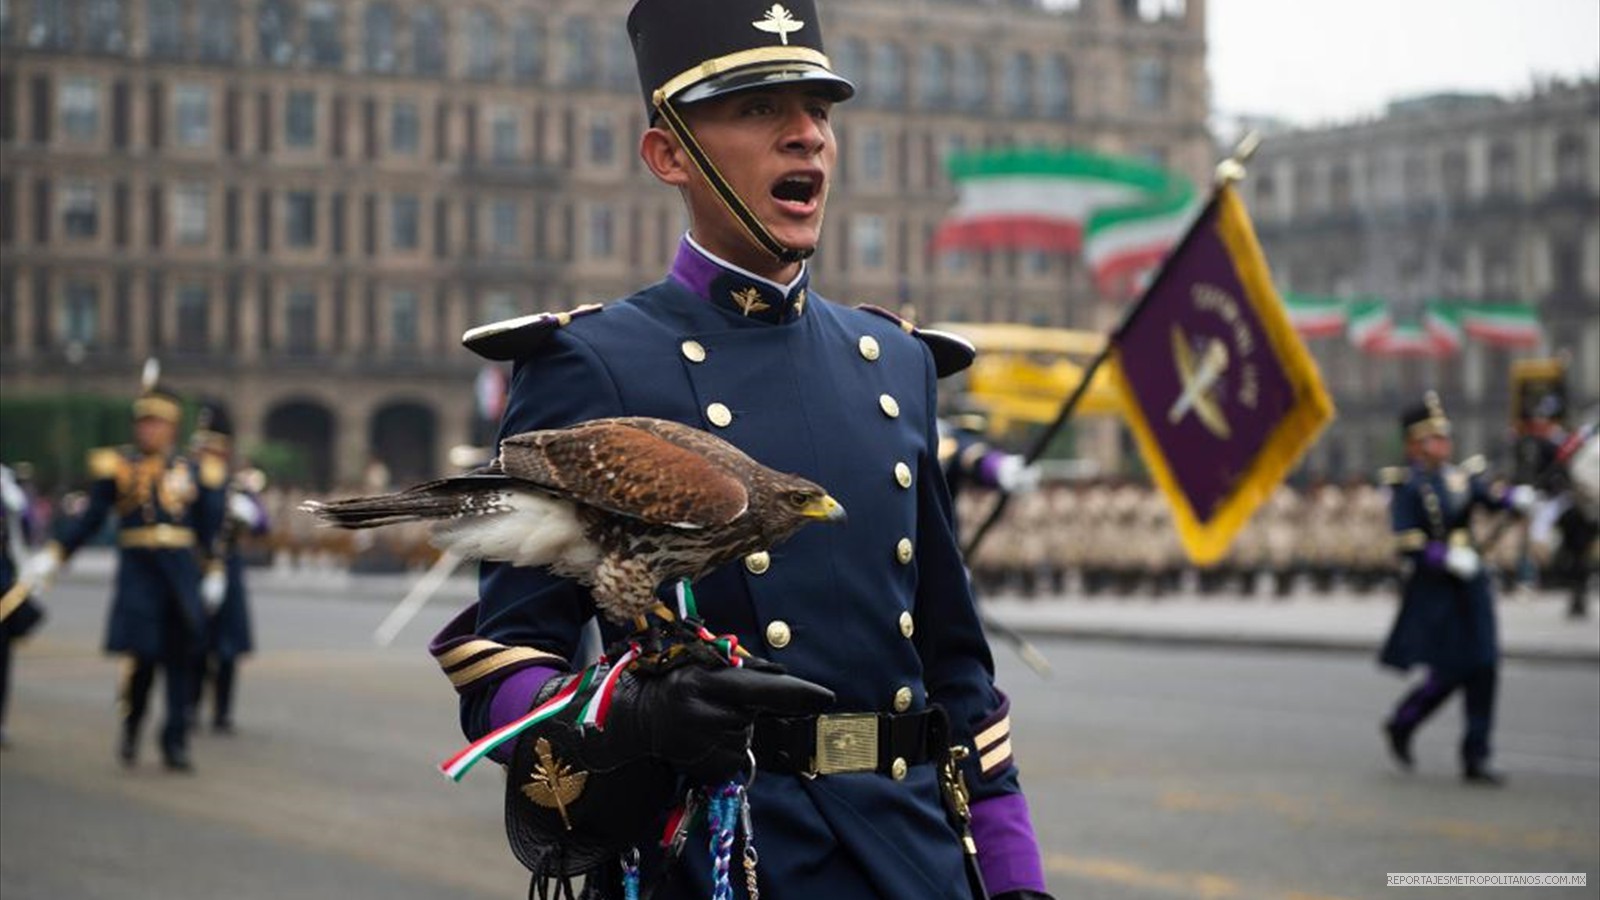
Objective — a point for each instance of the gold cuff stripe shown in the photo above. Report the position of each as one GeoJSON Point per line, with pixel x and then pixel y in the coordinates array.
{"type": "Point", "coordinates": [457, 655]}
{"type": "Point", "coordinates": [1412, 539]}
{"type": "Point", "coordinates": [489, 665]}
{"type": "Point", "coordinates": [993, 734]}
{"type": "Point", "coordinates": [157, 537]}
{"type": "Point", "coordinates": [994, 759]}
{"type": "Point", "coordinates": [739, 60]}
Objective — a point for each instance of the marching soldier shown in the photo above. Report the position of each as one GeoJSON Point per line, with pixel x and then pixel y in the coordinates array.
{"type": "Point", "coordinates": [19, 613]}
{"type": "Point", "coordinates": [1446, 621]}
{"type": "Point", "coordinates": [877, 610]}
{"type": "Point", "coordinates": [228, 633]}
{"type": "Point", "coordinates": [167, 509]}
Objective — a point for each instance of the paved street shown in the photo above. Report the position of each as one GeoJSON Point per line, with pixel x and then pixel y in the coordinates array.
{"type": "Point", "coordinates": [1154, 771]}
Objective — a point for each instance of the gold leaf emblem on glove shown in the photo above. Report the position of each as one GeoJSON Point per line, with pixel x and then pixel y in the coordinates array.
{"type": "Point", "coordinates": [554, 783]}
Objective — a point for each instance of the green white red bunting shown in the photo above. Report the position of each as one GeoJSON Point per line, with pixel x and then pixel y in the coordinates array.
{"type": "Point", "coordinates": [1442, 329]}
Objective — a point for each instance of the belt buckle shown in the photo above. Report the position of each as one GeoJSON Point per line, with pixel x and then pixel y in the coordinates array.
{"type": "Point", "coordinates": [846, 743]}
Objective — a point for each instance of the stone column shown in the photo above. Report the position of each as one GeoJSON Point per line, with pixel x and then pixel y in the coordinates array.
{"type": "Point", "coordinates": [352, 418]}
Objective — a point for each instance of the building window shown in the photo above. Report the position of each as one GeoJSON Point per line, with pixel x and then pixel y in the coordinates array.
{"type": "Point", "coordinates": [323, 45]}
{"type": "Point", "coordinates": [972, 78]}
{"type": "Point", "coordinates": [602, 232]}
{"type": "Point", "coordinates": [873, 155]}
{"type": "Point", "coordinates": [933, 85]}
{"type": "Point", "coordinates": [51, 25]}
{"type": "Point", "coordinates": [300, 218]}
{"type": "Point", "coordinates": [483, 52]}
{"type": "Point", "coordinates": [527, 47]}
{"type": "Point", "coordinates": [888, 77]}
{"type": "Point", "coordinates": [80, 209]}
{"type": "Point", "coordinates": [405, 127]}
{"type": "Point", "coordinates": [404, 320]}
{"type": "Point", "coordinates": [580, 63]}
{"type": "Point", "coordinates": [300, 317]}
{"type": "Point", "coordinates": [1150, 84]}
{"type": "Point", "coordinates": [80, 108]}
{"type": "Point", "coordinates": [498, 305]}
{"type": "Point", "coordinates": [868, 235]}
{"type": "Point", "coordinates": [1570, 168]}
{"type": "Point", "coordinates": [102, 32]}
{"type": "Point", "coordinates": [1502, 170]}
{"type": "Point", "coordinates": [194, 319]}
{"type": "Point", "coordinates": [1016, 87]}
{"type": "Point", "coordinates": [602, 139]}
{"type": "Point", "coordinates": [300, 119]}
{"type": "Point", "coordinates": [503, 225]}
{"type": "Point", "coordinates": [377, 38]}
{"type": "Point", "coordinates": [405, 214]}
{"type": "Point", "coordinates": [80, 315]}
{"type": "Point", "coordinates": [219, 29]}
{"type": "Point", "coordinates": [193, 104]}
{"type": "Point", "coordinates": [619, 68]}
{"type": "Point", "coordinates": [427, 41]}
{"type": "Point", "coordinates": [191, 209]}
{"type": "Point", "coordinates": [503, 134]}
{"type": "Point", "coordinates": [1055, 88]}
{"type": "Point", "coordinates": [1453, 174]}
{"type": "Point", "coordinates": [275, 30]}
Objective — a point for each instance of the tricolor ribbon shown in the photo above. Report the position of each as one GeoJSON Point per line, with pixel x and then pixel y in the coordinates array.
{"type": "Point", "coordinates": [457, 766]}
{"type": "Point", "coordinates": [594, 712]}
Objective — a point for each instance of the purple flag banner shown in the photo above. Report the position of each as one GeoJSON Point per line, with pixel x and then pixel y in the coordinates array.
{"type": "Point", "coordinates": [1220, 392]}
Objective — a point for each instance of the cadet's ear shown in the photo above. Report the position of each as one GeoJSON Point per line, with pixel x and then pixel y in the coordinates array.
{"type": "Point", "coordinates": [664, 156]}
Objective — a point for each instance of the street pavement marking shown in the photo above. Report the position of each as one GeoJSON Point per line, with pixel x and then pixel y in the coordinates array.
{"type": "Point", "coordinates": [1333, 811]}
{"type": "Point", "coordinates": [1197, 885]}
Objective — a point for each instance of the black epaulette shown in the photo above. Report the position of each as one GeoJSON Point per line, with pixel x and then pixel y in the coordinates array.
{"type": "Point", "coordinates": [512, 338]}
{"type": "Point", "coordinates": [951, 353]}
{"type": "Point", "coordinates": [1393, 475]}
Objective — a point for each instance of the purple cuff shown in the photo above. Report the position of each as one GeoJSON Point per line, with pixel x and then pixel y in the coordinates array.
{"type": "Point", "coordinates": [1433, 554]}
{"type": "Point", "coordinates": [987, 471]}
{"type": "Point", "coordinates": [1008, 853]}
{"type": "Point", "coordinates": [512, 700]}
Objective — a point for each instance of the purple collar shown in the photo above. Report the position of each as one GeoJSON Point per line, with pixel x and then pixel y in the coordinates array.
{"type": "Point", "coordinates": [738, 292]}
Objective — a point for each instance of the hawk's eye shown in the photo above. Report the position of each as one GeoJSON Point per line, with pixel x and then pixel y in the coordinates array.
{"type": "Point", "coordinates": [799, 498]}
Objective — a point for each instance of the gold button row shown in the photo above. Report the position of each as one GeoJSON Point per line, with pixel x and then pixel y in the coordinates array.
{"type": "Point", "coordinates": [903, 551]}
{"type": "Point", "coordinates": [902, 700]}
{"type": "Point", "coordinates": [693, 351]}
{"type": "Point", "coordinates": [869, 347]}
{"type": "Point", "coordinates": [758, 562]}
{"type": "Point", "coordinates": [778, 634]}
{"type": "Point", "coordinates": [902, 474]}
{"type": "Point", "coordinates": [719, 415]}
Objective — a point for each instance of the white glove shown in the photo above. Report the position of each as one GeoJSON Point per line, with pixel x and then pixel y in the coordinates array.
{"type": "Point", "coordinates": [1522, 497]}
{"type": "Point", "coordinates": [1462, 562]}
{"type": "Point", "coordinates": [213, 585]}
{"type": "Point", "coordinates": [245, 510]}
{"type": "Point", "coordinates": [42, 568]}
{"type": "Point", "coordinates": [1014, 476]}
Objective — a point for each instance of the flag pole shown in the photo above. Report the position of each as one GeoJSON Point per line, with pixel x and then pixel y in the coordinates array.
{"type": "Point", "coordinates": [1227, 172]}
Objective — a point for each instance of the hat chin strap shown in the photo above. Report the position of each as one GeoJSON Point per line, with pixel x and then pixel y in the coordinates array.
{"type": "Point", "coordinates": [757, 232]}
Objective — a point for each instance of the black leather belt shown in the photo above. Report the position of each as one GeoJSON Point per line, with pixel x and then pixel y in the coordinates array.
{"type": "Point", "coordinates": [887, 743]}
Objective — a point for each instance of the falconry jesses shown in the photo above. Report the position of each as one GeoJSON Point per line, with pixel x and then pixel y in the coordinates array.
{"type": "Point", "coordinates": [620, 505]}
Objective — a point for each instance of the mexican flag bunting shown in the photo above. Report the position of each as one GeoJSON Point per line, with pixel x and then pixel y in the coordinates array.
{"type": "Point", "coordinates": [1369, 323]}
{"type": "Point", "coordinates": [1503, 324]}
{"type": "Point", "coordinates": [1442, 324]}
{"type": "Point", "coordinates": [1124, 245]}
{"type": "Point", "coordinates": [1316, 317]}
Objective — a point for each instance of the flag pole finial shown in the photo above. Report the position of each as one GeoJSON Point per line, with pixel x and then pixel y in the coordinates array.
{"type": "Point", "coordinates": [1231, 169]}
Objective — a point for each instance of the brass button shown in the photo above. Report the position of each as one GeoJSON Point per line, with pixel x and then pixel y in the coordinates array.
{"type": "Point", "coordinates": [902, 551]}
{"type": "Point", "coordinates": [902, 474]}
{"type": "Point", "coordinates": [719, 415]}
{"type": "Point", "coordinates": [778, 634]}
{"type": "Point", "coordinates": [908, 627]}
{"type": "Point", "coordinates": [693, 351]}
{"type": "Point", "coordinates": [869, 347]}
{"type": "Point", "coordinates": [890, 407]}
{"type": "Point", "coordinates": [758, 562]}
{"type": "Point", "coordinates": [902, 699]}
{"type": "Point", "coordinates": [897, 769]}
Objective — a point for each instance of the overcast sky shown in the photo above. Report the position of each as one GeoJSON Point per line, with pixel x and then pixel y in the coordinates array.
{"type": "Point", "coordinates": [1313, 61]}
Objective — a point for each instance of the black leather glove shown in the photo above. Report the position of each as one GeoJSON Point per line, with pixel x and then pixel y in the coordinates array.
{"type": "Point", "coordinates": [1023, 894]}
{"type": "Point", "coordinates": [696, 719]}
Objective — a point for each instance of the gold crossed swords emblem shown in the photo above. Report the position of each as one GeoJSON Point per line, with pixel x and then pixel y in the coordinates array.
{"type": "Point", "coordinates": [1199, 377]}
{"type": "Point", "coordinates": [554, 783]}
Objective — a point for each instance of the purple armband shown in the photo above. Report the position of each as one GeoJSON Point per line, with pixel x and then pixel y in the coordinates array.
{"type": "Point", "coordinates": [1434, 553]}
{"type": "Point", "coordinates": [1008, 853]}
{"type": "Point", "coordinates": [987, 471]}
{"type": "Point", "coordinates": [512, 700]}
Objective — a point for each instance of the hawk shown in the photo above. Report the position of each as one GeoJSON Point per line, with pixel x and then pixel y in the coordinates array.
{"type": "Point", "coordinates": [620, 505]}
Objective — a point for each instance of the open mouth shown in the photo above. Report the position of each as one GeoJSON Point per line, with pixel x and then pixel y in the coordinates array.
{"type": "Point", "coordinates": [798, 189]}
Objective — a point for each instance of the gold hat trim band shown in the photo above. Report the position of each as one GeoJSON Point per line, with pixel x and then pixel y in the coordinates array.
{"type": "Point", "coordinates": [1434, 425]}
{"type": "Point", "coordinates": [157, 407]}
{"type": "Point", "coordinates": [738, 60]}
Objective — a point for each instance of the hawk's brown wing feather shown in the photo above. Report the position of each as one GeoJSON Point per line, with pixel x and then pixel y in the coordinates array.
{"type": "Point", "coordinates": [614, 465]}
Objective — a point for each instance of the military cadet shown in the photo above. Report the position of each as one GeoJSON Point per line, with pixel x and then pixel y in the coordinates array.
{"type": "Point", "coordinates": [20, 614]}
{"type": "Point", "coordinates": [167, 509]}
{"type": "Point", "coordinates": [1446, 620]}
{"type": "Point", "coordinates": [736, 341]}
{"type": "Point", "coordinates": [228, 632]}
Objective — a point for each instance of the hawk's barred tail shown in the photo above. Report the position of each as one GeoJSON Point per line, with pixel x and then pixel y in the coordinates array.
{"type": "Point", "coordinates": [447, 498]}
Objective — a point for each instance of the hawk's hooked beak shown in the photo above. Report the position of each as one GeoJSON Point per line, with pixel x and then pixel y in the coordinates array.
{"type": "Point", "coordinates": [824, 508]}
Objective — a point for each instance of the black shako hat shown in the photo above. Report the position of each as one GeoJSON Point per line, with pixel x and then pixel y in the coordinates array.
{"type": "Point", "coordinates": [1425, 418]}
{"type": "Point", "coordinates": [213, 428]}
{"type": "Point", "coordinates": [691, 50]}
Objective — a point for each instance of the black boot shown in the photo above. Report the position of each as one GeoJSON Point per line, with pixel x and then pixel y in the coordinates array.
{"type": "Point", "coordinates": [1399, 745]}
{"type": "Point", "coordinates": [128, 747]}
{"type": "Point", "coordinates": [1478, 773]}
{"type": "Point", "coordinates": [176, 759]}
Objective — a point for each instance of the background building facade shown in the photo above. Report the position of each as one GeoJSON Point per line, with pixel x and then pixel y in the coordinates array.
{"type": "Point", "coordinates": [1469, 197]}
{"type": "Point", "coordinates": [299, 205]}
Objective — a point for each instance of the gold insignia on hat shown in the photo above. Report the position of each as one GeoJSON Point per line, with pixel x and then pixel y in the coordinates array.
{"type": "Point", "coordinates": [779, 21]}
{"type": "Point", "coordinates": [749, 301]}
{"type": "Point", "coordinates": [554, 784]}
